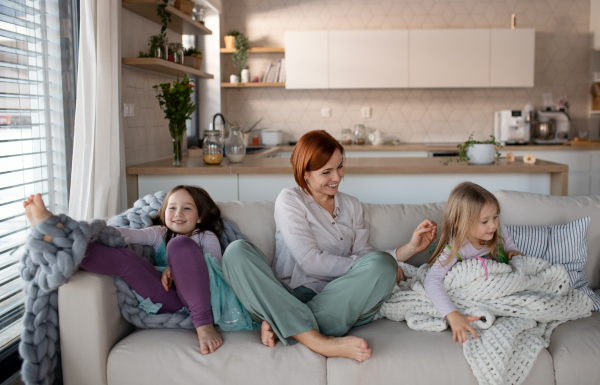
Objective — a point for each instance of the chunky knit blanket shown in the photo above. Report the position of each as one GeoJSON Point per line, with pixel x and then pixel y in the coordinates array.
{"type": "Point", "coordinates": [46, 266]}
{"type": "Point", "coordinates": [530, 296]}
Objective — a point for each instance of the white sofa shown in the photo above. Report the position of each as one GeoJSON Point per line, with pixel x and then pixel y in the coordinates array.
{"type": "Point", "coordinates": [100, 347]}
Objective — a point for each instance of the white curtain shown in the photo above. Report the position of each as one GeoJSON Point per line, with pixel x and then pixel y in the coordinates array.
{"type": "Point", "coordinates": [98, 188]}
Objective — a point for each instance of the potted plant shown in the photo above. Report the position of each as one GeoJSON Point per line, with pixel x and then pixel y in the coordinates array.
{"type": "Point", "coordinates": [240, 55]}
{"type": "Point", "coordinates": [477, 152]}
{"type": "Point", "coordinates": [230, 38]}
{"type": "Point", "coordinates": [176, 101]}
{"type": "Point", "coordinates": [193, 53]}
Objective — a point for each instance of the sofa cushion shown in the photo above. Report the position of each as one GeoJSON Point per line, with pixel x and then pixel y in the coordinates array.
{"type": "Point", "coordinates": [521, 208]}
{"type": "Point", "coordinates": [404, 356]}
{"type": "Point", "coordinates": [256, 220]}
{"type": "Point", "coordinates": [173, 357]}
{"type": "Point", "coordinates": [575, 348]}
{"type": "Point", "coordinates": [392, 226]}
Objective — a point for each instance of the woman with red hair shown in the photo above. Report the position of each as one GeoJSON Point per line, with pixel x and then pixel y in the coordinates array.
{"type": "Point", "coordinates": [327, 277]}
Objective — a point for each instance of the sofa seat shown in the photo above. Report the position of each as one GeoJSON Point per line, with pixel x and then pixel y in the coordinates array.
{"type": "Point", "coordinates": [575, 348]}
{"type": "Point", "coordinates": [173, 357]}
{"type": "Point", "coordinates": [405, 356]}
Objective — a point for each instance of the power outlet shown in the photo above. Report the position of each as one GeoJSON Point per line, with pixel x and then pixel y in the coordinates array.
{"type": "Point", "coordinates": [365, 112]}
{"type": "Point", "coordinates": [326, 112]}
{"type": "Point", "coordinates": [128, 110]}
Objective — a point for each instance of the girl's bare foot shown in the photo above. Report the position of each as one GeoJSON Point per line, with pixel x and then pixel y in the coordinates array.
{"type": "Point", "coordinates": [348, 347]}
{"type": "Point", "coordinates": [210, 340]}
{"type": "Point", "coordinates": [267, 335]}
{"type": "Point", "coordinates": [36, 212]}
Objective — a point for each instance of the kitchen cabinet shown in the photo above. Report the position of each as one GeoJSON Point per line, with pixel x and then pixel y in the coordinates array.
{"type": "Point", "coordinates": [584, 168]}
{"type": "Point", "coordinates": [512, 57]}
{"type": "Point", "coordinates": [595, 23]}
{"type": "Point", "coordinates": [307, 59]}
{"type": "Point", "coordinates": [439, 58]}
{"type": "Point", "coordinates": [449, 58]}
{"type": "Point", "coordinates": [368, 59]}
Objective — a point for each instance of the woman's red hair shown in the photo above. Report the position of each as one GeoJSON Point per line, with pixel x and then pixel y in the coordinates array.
{"type": "Point", "coordinates": [312, 152]}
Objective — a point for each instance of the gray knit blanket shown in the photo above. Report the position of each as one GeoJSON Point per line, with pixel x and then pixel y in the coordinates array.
{"type": "Point", "coordinates": [46, 266]}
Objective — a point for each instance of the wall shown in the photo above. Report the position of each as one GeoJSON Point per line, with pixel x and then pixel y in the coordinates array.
{"type": "Point", "coordinates": [147, 135]}
{"type": "Point", "coordinates": [411, 115]}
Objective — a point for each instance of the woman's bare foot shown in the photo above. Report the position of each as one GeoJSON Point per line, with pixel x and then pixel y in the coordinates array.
{"type": "Point", "coordinates": [267, 335]}
{"type": "Point", "coordinates": [348, 347]}
{"type": "Point", "coordinates": [36, 212]}
{"type": "Point", "coordinates": [209, 338]}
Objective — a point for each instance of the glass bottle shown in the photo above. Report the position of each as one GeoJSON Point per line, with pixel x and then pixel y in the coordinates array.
{"type": "Point", "coordinates": [235, 146]}
{"type": "Point", "coordinates": [360, 136]}
{"type": "Point", "coordinates": [346, 136]}
{"type": "Point", "coordinates": [177, 52]}
{"type": "Point", "coordinates": [212, 147]}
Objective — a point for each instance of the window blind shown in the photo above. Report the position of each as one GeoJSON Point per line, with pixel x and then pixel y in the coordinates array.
{"type": "Point", "coordinates": [32, 137]}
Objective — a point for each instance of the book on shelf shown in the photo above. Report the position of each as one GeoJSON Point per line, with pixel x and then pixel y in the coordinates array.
{"type": "Point", "coordinates": [275, 72]}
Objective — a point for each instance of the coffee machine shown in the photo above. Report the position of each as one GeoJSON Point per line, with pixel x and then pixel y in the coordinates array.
{"type": "Point", "coordinates": [552, 127]}
{"type": "Point", "coordinates": [512, 126]}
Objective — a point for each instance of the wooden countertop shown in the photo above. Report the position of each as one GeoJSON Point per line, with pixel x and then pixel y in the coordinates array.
{"type": "Point", "coordinates": [260, 164]}
{"type": "Point", "coordinates": [451, 147]}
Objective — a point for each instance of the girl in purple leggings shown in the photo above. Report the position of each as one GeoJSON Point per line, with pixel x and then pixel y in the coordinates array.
{"type": "Point", "coordinates": [186, 227]}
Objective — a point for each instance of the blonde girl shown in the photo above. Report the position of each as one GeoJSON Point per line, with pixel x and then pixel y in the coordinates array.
{"type": "Point", "coordinates": [471, 230]}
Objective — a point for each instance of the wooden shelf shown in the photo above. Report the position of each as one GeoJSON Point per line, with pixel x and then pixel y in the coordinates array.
{"type": "Point", "coordinates": [594, 112]}
{"type": "Point", "coordinates": [164, 67]}
{"type": "Point", "coordinates": [257, 50]}
{"type": "Point", "coordinates": [180, 22]}
{"type": "Point", "coordinates": [251, 85]}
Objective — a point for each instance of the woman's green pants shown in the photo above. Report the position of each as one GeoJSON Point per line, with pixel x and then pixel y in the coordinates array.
{"type": "Point", "coordinates": [348, 301]}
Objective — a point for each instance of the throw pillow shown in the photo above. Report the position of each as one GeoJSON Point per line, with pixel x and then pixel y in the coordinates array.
{"type": "Point", "coordinates": [564, 244]}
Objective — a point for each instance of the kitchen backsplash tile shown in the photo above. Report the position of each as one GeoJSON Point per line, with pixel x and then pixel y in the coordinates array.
{"type": "Point", "coordinates": [434, 115]}
{"type": "Point", "coordinates": [147, 135]}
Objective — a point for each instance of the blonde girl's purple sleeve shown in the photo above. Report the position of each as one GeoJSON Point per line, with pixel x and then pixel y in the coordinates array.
{"type": "Point", "coordinates": [434, 285]}
{"type": "Point", "coordinates": [509, 242]}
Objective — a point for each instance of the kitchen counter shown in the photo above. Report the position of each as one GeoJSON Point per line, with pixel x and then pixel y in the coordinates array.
{"type": "Point", "coordinates": [452, 147]}
{"type": "Point", "coordinates": [377, 180]}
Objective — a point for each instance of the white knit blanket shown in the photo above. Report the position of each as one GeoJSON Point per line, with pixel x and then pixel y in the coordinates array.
{"type": "Point", "coordinates": [531, 297]}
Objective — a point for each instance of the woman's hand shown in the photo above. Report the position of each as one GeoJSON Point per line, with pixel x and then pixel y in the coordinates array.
{"type": "Point", "coordinates": [400, 276]}
{"type": "Point", "coordinates": [460, 325]}
{"type": "Point", "coordinates": [421, 238]}
{"type": "Point", "coordinates": [512, 253]}
{"type": "Point", "coordinates": [423, 235]}
{"type": "Point", "coordinates": [166, 278]}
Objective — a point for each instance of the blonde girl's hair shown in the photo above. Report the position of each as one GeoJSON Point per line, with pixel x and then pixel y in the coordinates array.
{"type": "Point", "coordinates": [462, 213]}
{"type": "Point", "coordinates": [208, 211]}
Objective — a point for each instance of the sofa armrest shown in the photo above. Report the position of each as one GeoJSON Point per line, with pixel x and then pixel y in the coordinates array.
{"type": "Point", "coordinates": [90, 325]}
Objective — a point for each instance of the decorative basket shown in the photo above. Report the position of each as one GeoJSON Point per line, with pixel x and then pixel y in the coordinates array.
{"type": "Point", "coordinates": [198, 58]}
{"type": "Point", "coordinates": [185, 6]}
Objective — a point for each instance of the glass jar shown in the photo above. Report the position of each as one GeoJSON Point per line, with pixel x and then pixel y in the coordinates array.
{"type": "Point", "coordinates": [212, 147]}
{"type": "Point", "coordinates": [160, 46]}
{"type": "Point", "coordinates": [198, 13]}
{"type": "Point", "coordinates": [346, 136]}
{"type": "Point", "coordinates": [177, 52]}
{"type": "Point", "coordinates": [235, 146]}
{"type": "Point", "coordinates": [360, 136]}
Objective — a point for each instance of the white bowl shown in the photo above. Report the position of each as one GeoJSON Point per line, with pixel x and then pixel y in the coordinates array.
{"type": "Point", "coordinates": [271, 137]}
{"type": "Point", "coordinates": [482, 153]}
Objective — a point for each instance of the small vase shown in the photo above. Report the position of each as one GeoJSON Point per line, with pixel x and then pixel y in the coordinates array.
{"type": "Point", "coordinates": [481, 153]}
{"type": "Point", "coordinates": [177, 150]}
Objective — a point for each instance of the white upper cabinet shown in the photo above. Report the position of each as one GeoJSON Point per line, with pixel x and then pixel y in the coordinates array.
{"type": "Point", "coordinates": [368, 59]}
{"type": "Point", "coordinates": [595, 23]}
{"type": "Point", "coordinates": [306, 60]}
{"type": "Point", "coordinates": [438, 58]}
{"type": "Point", "coordinates": [513, 56]}
{"type": "Point", "coordinates": [443, 58]}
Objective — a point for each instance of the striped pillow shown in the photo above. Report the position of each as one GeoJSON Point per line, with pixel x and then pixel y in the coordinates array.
{"type": "Point", "coordinates": [565, 244]}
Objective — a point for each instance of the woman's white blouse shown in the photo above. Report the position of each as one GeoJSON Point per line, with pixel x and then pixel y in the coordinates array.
{"type": "Point", "coordinates": [312, 248]}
